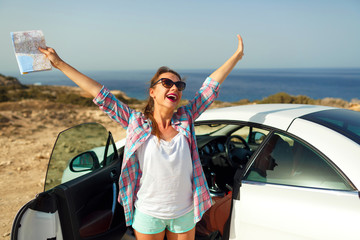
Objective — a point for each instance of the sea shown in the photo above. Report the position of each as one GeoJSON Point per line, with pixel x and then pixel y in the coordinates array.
{"type": "Point", "coordinates": [251, 84]}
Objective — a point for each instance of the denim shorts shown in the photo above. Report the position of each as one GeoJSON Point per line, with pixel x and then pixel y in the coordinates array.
{"type": "Point", "coordinates": [147, 224]}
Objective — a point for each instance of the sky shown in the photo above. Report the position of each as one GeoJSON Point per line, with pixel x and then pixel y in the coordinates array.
{"type": "Point", "coordinates": [143, 35]}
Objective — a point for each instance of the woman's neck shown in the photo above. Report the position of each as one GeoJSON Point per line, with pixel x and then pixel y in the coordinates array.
{"type": "Point", "coordinates": [163, 118]}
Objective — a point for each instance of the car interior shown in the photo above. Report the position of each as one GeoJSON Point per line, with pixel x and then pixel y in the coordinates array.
{"type": "Point", "coordinates": [223, 148]}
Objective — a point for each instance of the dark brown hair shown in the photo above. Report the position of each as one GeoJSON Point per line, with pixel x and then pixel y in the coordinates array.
{"type": "Point", "coordinates": [149, 108]}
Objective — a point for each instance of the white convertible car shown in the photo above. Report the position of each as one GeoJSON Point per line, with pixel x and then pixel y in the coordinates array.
{"type": "Point", "coordinates": [275, 171]}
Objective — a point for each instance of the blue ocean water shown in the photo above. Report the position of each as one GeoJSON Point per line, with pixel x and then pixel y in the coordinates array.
{"type": "Point", "coordinates": [252, 84]}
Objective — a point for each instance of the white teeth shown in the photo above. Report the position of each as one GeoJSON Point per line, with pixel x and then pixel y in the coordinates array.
{"type": "Point", "coordinates": [173, 97]}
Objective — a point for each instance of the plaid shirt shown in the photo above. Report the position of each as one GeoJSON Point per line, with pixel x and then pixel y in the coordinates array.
{"type": "Point", "coordinates": [138, 129]}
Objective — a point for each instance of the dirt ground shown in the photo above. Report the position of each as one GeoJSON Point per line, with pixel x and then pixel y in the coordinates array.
{"type": "Point", "coordinates": [28, 131]}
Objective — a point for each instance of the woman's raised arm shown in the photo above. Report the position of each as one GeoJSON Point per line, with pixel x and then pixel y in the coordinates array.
{"type": "Point", "coordinates": [87, 84]}
{"type": "Point", "coordinates": [222, 72]}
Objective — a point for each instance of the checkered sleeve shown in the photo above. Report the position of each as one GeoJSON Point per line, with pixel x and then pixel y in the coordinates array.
{"type": "Point", "coordinates": [204, 97]}
{"type": "Point", "coordinates": [114, 108]}
{"type": "Point", "coordinates": [128, 187]}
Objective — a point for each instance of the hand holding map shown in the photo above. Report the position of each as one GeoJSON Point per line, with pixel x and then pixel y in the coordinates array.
{"type": "Point", "coordinates": [51, 54]}
{"type": "Point", "coordinates": [28, 56]}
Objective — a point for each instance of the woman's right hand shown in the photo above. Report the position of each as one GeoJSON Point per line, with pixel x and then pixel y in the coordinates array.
{"type": "Point", "coordinates": [51, 54]}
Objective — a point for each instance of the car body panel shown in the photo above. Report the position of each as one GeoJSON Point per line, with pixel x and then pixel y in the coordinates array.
{"type": "Point", "coordinates": [279, 116]}
{"type": "Point", "coordinates": [269, 211]}
{"type": "Point", "coordinates": [32, 220]}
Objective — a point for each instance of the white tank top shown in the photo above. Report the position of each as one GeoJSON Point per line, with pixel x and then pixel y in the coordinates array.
{"type": "Point", "coordinates": [166, 184]}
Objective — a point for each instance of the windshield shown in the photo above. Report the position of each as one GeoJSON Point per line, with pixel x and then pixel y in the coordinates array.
{"type": "Point", "coordinates": [208, 129]}
{"type": "Point", "coordinates": [346, 122]}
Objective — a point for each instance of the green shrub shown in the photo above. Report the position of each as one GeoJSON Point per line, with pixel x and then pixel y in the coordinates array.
{"type": "Point", "coordinates": [3, 95]}
{"type": "Point", "coordinates": [283, 97]}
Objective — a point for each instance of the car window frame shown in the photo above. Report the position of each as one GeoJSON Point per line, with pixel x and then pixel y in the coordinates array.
{"type": "Point", "coordinates": [232, 122]}
{"type": "Point", "coordinates": [102, 162]}
{"type": "Point", "coordinates": [312, 148]}
{"type": "Point", "coordinates": [110, 143]}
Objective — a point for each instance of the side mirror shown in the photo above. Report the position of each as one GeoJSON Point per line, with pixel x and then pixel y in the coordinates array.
{"type": "Point", "coordinates": [85, 161]}
{"type": "Point", "coordinates": [259, 137]}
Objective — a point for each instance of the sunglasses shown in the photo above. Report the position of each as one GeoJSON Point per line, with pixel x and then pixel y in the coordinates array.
{"type": "Point", "coordinates": [168, 83]}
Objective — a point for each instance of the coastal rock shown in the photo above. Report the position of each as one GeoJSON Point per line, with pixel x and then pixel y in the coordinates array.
{"type": "Point", "coordinates": [9, 81]}
{"type": "Point", "coordinates": [354, 107]}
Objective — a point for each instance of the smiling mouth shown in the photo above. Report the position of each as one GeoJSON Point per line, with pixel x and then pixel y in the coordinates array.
{"type": "Point", "coordinates": [172, 97]}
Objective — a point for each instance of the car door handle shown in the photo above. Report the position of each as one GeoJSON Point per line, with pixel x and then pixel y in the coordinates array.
{"type": "Point", "coordinates": [114, 188]}
{"type": "Point", "coordinates": [113, 175]}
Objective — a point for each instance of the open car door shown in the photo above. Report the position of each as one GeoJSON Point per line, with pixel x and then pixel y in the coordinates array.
{"type": "Point", "coordinates": [80, 193]}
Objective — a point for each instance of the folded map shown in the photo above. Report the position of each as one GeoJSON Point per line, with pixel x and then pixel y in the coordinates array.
{"type": "Point", "coordinates": [28, 57]}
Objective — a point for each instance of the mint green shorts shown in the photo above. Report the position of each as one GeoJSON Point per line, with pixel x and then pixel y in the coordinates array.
{"type": "Point", "coordinates": [147, 224]}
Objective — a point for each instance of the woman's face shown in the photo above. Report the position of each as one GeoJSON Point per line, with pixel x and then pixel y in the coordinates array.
{"type": "Point", "coordinates": [166, 97]}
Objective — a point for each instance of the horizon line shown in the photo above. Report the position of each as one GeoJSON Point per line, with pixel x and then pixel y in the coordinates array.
{"type": "Point", "coordinates": [193, 69]}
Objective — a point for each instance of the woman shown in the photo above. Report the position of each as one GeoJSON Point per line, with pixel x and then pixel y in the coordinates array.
{"type": "Point", "coordinates": [161, 140]}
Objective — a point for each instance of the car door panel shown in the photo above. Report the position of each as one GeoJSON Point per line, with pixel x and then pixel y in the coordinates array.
{"type": "Point", "coordinates": [88, 201]}
{"type": "Point", "coordinates": [286, 212]}
{"type": "Point", "coordinates": [38, 219]}
{"type": "Point", "coordinates": [84, 206]}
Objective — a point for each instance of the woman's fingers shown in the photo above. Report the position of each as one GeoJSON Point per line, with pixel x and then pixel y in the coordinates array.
{"type": "Point", "coordinates": [43, 50]}
{"type": "Point", "coordinates": [241, 44]}
{"type": "Point", "coordinates": [47, 51]}
{"type": "Point", "coordinates": [51, 54]}
{"type": "Point", "coordinates": [240, 49]}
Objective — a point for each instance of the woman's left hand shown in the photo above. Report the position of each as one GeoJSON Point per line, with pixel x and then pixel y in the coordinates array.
{"type": "Point", "coordinates": [222, 72]}
{"type": "Point", "coordinates": [240, 49]}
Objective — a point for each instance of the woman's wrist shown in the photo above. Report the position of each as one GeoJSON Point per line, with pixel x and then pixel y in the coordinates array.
{"type": "Point", "coordinates": [239, 55]}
